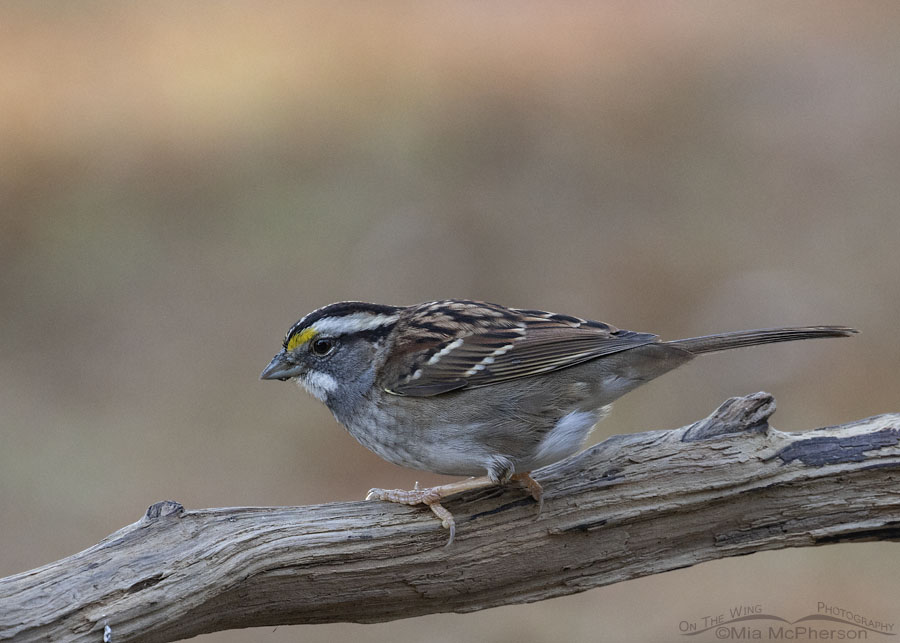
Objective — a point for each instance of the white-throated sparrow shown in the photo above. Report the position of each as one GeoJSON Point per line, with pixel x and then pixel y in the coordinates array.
{"type": "Point", "coordinates": [466, 388]}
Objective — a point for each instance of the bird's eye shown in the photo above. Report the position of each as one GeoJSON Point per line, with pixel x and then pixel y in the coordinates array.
{"type": "Point", "coordinates": [322, 346]}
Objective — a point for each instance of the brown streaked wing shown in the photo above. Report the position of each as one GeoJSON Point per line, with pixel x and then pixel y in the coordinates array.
{"type": "Point", "coordinates": [546, 345]}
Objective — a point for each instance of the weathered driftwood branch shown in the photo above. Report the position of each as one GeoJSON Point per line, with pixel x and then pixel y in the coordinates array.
{"type": "Point", "coordinates": [631, 506]}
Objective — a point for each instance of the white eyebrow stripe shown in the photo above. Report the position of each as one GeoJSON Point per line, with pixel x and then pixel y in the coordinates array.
{"type": "Point", "coordinates": [352, 323]}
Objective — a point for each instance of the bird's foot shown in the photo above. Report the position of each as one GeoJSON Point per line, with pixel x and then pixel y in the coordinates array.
{"type": "Point", "coordinates": [533, 486]}
{"type": "Point", "coordinates": [432, 497]}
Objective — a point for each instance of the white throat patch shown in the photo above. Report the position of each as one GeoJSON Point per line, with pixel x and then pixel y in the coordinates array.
{"type": "Point", "coordinates": [318, 384]}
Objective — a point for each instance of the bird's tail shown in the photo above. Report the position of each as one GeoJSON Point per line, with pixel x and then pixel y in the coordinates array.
{"type": "Point", "coordinates": [726, 341]}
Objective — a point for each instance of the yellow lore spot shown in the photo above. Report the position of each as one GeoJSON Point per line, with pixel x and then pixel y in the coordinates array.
{"type": "Point", "coordinates": [301, 338]}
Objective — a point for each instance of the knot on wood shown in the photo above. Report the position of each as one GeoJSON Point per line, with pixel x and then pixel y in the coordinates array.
{"type": "Point", "coordinates": [736, 415]}
{"type": "Point", "coordinates": [162, 510]}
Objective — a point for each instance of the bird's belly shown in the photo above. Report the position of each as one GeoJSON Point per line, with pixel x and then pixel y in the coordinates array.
{"type": "Point", "coordinates": [462, 443]}
{"type": "Point", "coordinates": [450, 448]}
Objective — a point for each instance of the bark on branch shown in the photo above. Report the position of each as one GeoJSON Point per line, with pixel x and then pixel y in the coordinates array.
{"type": "Point", "coordinates": [631, 506]}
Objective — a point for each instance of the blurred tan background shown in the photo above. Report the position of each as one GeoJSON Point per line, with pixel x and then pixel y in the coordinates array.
{"type": "Point", "coordinates": [180, 183]}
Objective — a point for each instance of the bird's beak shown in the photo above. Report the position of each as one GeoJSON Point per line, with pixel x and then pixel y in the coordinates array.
{"type": "Point", "coordinates": [280, 369]}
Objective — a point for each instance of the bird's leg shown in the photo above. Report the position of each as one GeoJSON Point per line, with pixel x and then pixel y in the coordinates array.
{"type": "Point", "coordinates": [432, 497]}
{"type": "Point", "coordinates": [533, 486]}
